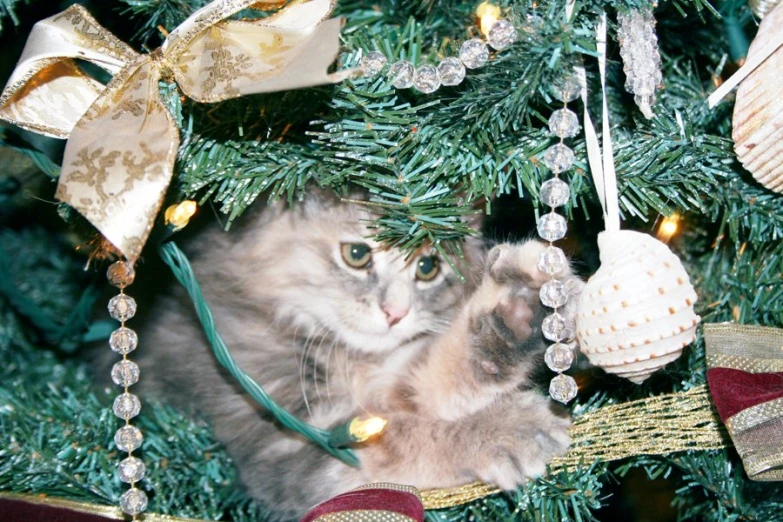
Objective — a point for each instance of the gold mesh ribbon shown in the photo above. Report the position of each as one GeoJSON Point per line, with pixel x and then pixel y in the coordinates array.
{"type": "Point", "coordinates": [757, 431]}
{"type": "Point", "coordinates": [122, 144]}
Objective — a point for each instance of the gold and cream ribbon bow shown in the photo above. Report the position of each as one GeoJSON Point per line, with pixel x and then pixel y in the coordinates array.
{"type": "Point", "coordinates": [122, 141]}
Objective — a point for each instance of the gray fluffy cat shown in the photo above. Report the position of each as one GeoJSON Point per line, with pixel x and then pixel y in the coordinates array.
{"type": "Point", "coordinates": [334, 326]}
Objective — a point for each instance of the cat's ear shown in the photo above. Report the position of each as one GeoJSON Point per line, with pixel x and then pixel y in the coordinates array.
{"type": "Point", "coordinates": [317, 200]}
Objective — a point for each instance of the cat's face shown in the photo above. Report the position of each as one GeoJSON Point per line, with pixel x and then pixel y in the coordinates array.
{"type": "Point", "coordinates": [325, 273]}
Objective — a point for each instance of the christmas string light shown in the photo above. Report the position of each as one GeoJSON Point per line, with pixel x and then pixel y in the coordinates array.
{"type": "Point", "coordinates": [668, 228]}
{"type": "Point", "coordinates": [356, 431]}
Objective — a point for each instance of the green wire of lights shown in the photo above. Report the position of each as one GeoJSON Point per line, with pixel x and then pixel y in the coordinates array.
{"type": "Point", "coordinates": [180, 267]}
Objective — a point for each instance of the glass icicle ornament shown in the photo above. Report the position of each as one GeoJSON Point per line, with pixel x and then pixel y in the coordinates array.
{"type": "Point", "coordinates": [125, 373]}
{"type": "Point", "coordinates": [552, 226]}
{"type": "Point", "coordinates": [641, 60]}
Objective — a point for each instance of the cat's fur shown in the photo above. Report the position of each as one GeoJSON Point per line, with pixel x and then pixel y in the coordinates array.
{"type": "Point", "coordinates": [450, 377]}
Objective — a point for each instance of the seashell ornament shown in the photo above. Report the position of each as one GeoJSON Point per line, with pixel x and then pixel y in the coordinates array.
{"type": "Point", "coordinates": [636, 313]}
{"type": "Point", "coordinates": [758, 120]}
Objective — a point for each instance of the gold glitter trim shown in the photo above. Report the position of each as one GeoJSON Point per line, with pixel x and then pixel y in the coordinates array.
{"type": "Point", "coordinates": [114, 513]}
{"type": "Point", "coordinates": [755, 415]}
{"type": "Point", "coordinates": [752, 349]}
{"type": "Point", "coordinates": [364, 515]}
{"type": "Point", "coordinates": [746, 364]}
{"type": "Point", "coordinates": [392, 486]}
{"type": "Point", "coordinates": [763, 469]}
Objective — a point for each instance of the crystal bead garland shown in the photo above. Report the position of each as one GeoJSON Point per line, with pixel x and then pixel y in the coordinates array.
{"type": "Point", "coordinates": [473, 54]}
{"type": "Point", "coordinates": [125, 374]}
{"type": "Point", "coordinates": [552, 226]}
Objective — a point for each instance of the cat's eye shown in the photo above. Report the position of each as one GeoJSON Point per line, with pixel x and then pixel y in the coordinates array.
{"type": "Point", "coordinates": [356, 255]}
{"type": "Point", "coordinates": [427, 267]}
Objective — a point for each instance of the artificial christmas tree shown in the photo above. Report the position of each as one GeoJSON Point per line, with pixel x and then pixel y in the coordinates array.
{"type": "Point", "coordinates": [439, 125]}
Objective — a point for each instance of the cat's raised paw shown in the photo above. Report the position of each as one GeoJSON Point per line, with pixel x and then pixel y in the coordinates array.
{"type": "Point", "coordinates": [516, 262]}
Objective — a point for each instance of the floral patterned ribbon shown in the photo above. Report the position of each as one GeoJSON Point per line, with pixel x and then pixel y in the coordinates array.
{"type": "Point", "coordinates": [745, 373]}
{"type": "Point", "coordinates": [123, 141]}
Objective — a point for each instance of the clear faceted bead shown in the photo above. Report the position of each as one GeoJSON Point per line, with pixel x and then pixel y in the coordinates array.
{"type": "Point", "coordinates": [122, 307]}
{"type": "Point", "coordinates": [451, 71]}
{"type": "Point", "coordinates": [126, 406]}
{"type": "Point", "coordinates": [564, 123]}
{"type": "Point", "coordinates": [128, 438]}
{"type": "Point", "coordinates": [131, 469]}
{"type": "Point", "coordinates": [555, 192]}
{"type": "Point", "coordinates": [563, 388]}
{"type": "Point", "coordinates": [120, 274]}
{"type": "Point", "coordinates": [559, 357]}
{"type": "Point", "coordinates": [401, 74]}
{"type": "Point", "coordinates": [426, 79]}
{"type": "Point", "coordinates": [473, 53]}
{"type": "Point", "coordinates": [552, 226]}
{"type": "Point", "coordinates": [133, 502]}
{"type": "Point", "coordinates": [372, 63]}
{"type": "Point", "coordinates": [556, 328]}
{"type": "Point", "coordinates": [125, 373]}
{"type": "Point", "coordinates": [123, 340]}
{"type": "Point", "coordinates": [558, 158]}
{"type": "Point", "coordinates": [554, 294]}
{"type": "Point", "coordinates": [552, 260]}
{"type": "Point", "coordinates": [501, 35]}
{"type": "Point", "coordinates": [568, 88]}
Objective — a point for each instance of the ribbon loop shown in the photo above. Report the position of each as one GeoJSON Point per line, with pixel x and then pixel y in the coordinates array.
{"type": "Point", "coordinates": [47, 92]}
{"type": "Point", "coordinates": [601, 162]}
{"type": "Point", "coordinates": [221, 61]}
{"type": "Point", "coordinates": [123, 142]}
{"type": "Point", "coordinates": [120, 158]}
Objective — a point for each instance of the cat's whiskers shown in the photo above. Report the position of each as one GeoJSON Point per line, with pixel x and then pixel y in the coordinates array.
{"type": "Point", "coordinates": [348, 377]}
{"type": "Point", "coordinates": [328, 375]}
{"type": "Point", "coordinates": [320, 325]}
{"type": "Point", "coordinates": [315, 363]}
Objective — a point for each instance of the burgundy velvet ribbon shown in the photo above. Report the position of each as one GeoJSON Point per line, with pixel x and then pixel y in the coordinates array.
{"type": "Point", "coordinates": [20, 511]}
{"type": "Point", "coordinates": [735, 390]}
{"type": "Point", "coordinates": [380, 499]}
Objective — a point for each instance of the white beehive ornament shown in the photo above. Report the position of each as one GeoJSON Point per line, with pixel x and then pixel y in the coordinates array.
{"type": "Point", "coordinates": [758, 120]}
{"type": "Point", "coordinates": [636, 313]}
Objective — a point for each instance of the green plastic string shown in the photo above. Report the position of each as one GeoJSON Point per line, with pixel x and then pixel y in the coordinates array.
{"type": "Point", "coordinates": [176, 260]}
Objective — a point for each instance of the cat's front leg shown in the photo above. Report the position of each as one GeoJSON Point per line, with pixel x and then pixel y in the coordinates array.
{"type": "Point", "coordinates": [493, 344]}
{"type": "Point", "coordinates": [510, 441]}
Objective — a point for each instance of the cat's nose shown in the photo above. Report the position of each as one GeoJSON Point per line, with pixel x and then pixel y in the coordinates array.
{"type": "Point", "coordinates": [394, 315]}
